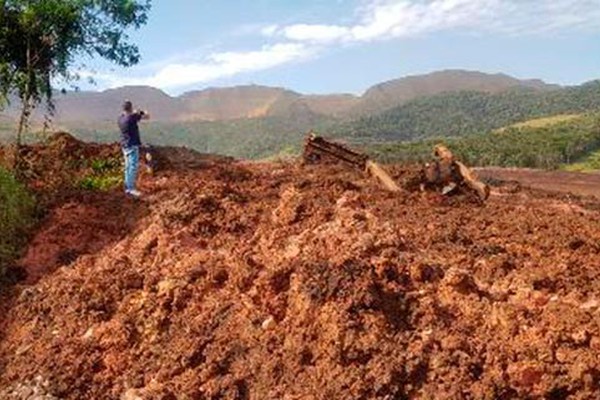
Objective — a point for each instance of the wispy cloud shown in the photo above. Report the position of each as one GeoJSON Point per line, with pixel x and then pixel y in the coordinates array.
{"type": "Point", "coordinates": [526, 17]}
{"type": "Point", "coordinates": [383, 20]}
{"type": "Point", "coordinates": [375, 20]}
{"type": "Point", "coordinates": [218, 65]}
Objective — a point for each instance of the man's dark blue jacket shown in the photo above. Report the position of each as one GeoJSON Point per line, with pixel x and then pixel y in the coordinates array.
{"type": "Point", "coordinates": [130, 131]}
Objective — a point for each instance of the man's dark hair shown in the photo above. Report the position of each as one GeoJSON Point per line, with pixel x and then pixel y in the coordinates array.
{"type": "Point", "coordinates": [127, 106]}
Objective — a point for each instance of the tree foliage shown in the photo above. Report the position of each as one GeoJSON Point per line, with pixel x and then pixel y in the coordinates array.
{"type": "Point", "coordinates": [547, 147]}
{"type": "Point", "coordinates": [41, 40]}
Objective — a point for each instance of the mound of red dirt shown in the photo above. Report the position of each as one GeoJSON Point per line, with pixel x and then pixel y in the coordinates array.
{"type": "Point", "coordinates": [52, 167]}
{"type": "Point", "coordinates": [272, 281]}
{"type": "Point", "coordinates": [83, 224]}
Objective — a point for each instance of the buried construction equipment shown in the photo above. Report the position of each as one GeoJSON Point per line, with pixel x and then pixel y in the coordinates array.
{"type": "Point", "coordinates": [317, 148]}
{"type": "Point", "coordinates": [448, 174]}
{"type": "Point", "coordinates": [445, 173]}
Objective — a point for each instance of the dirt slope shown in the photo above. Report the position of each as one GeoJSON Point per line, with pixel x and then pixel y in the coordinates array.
{"type": "Point", "coordinates": [272, 281]}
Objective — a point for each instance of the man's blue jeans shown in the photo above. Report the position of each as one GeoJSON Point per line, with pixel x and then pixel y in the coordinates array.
{"type": "Point", "coordinates": [132, 156]}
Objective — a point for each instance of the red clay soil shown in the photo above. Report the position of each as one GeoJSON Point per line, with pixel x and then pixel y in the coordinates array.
{"type": "Point", "coordinates": [274, 281]}
{"type": "Point", "coordinates": [83, 224]}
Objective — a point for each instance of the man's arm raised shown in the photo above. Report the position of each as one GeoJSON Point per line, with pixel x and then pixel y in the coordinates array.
{"type": "Point", "coordinates": [144, 114]}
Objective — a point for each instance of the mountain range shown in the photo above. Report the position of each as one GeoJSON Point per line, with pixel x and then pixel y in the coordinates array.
{"type": "Point", "coordinates": [254, 101]}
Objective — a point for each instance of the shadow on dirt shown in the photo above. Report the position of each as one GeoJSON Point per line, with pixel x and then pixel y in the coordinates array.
{"type": "Point", "coordinates": [81, 224]}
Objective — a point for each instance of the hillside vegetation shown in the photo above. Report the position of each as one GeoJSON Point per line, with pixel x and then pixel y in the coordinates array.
{"type": "Point", "coordinates": [590, 162]}
{"type": "Point", "coordinates": [543, 121]}
{"type": "Point", "coordinates": [467, 113]}
{"type": "Point", "coordinates": [523, 145]}
{"type": "Point", "coordinates": [16, 218]}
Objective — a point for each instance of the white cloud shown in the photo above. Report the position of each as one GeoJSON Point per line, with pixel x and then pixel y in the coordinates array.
{"type": "Point", "coordinates": [387, 19]}
{"type": "Point", "coordinates": [315, 33]}
{"type": "Point", "coordinates": [219, 65]}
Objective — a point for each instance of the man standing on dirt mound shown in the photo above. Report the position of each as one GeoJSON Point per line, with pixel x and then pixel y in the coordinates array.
{"type": "Point", "coordinates": [130, 143]}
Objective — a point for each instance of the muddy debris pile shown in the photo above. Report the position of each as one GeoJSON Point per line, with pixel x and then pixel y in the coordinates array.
{"type": "Point", "coordinates": [275, 281]}
{"type": "Point", "coordinates": [52, 167]}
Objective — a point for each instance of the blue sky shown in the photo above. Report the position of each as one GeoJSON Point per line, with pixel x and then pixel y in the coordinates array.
{"type": "Point", "coordinates": [326, 46]}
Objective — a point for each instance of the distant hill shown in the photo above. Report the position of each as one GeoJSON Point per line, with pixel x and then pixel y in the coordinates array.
{"type": "Point", "coordinates": [254, 101]}
{"type": "Point", "coordinates": [464, 113]}
{"type": "Point", "coordinates": [105, 106]}
{"type": "Point", "coordinates": [218, 104]}
{"type": "Point", "coordinates": [401, 91]}
{"type": "Point", "coordinates": [334, 105]}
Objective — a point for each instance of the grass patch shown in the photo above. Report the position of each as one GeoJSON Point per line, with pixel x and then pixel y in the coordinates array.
{"type": "Point", "coordinates": [17, 217]}
{"type": "Point", "coordinates": [544, 122]}
{"type": "Point", "coordinates": [101, 183]}
{"type": "Point", "coordinates": [104, 175]}
{"type": "Point", "coordinates": [104, 166]}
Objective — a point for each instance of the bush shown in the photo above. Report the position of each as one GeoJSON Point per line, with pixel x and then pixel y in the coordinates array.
{"type": "Point", "coordinates": [103, 166]}
{"type": "Point", "coordinates": [17, 210]}
{"type": "Point", "coordinates": [105, 174]}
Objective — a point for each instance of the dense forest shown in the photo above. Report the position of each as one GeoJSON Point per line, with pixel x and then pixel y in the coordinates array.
{"type": "Point", "coordinates": [523, 145]}
{"type": "Point", "coordinates": [467, 113]}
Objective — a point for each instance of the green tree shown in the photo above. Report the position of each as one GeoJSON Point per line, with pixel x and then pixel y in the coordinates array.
{"type": "Point", "coordinates": [42, 40]}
